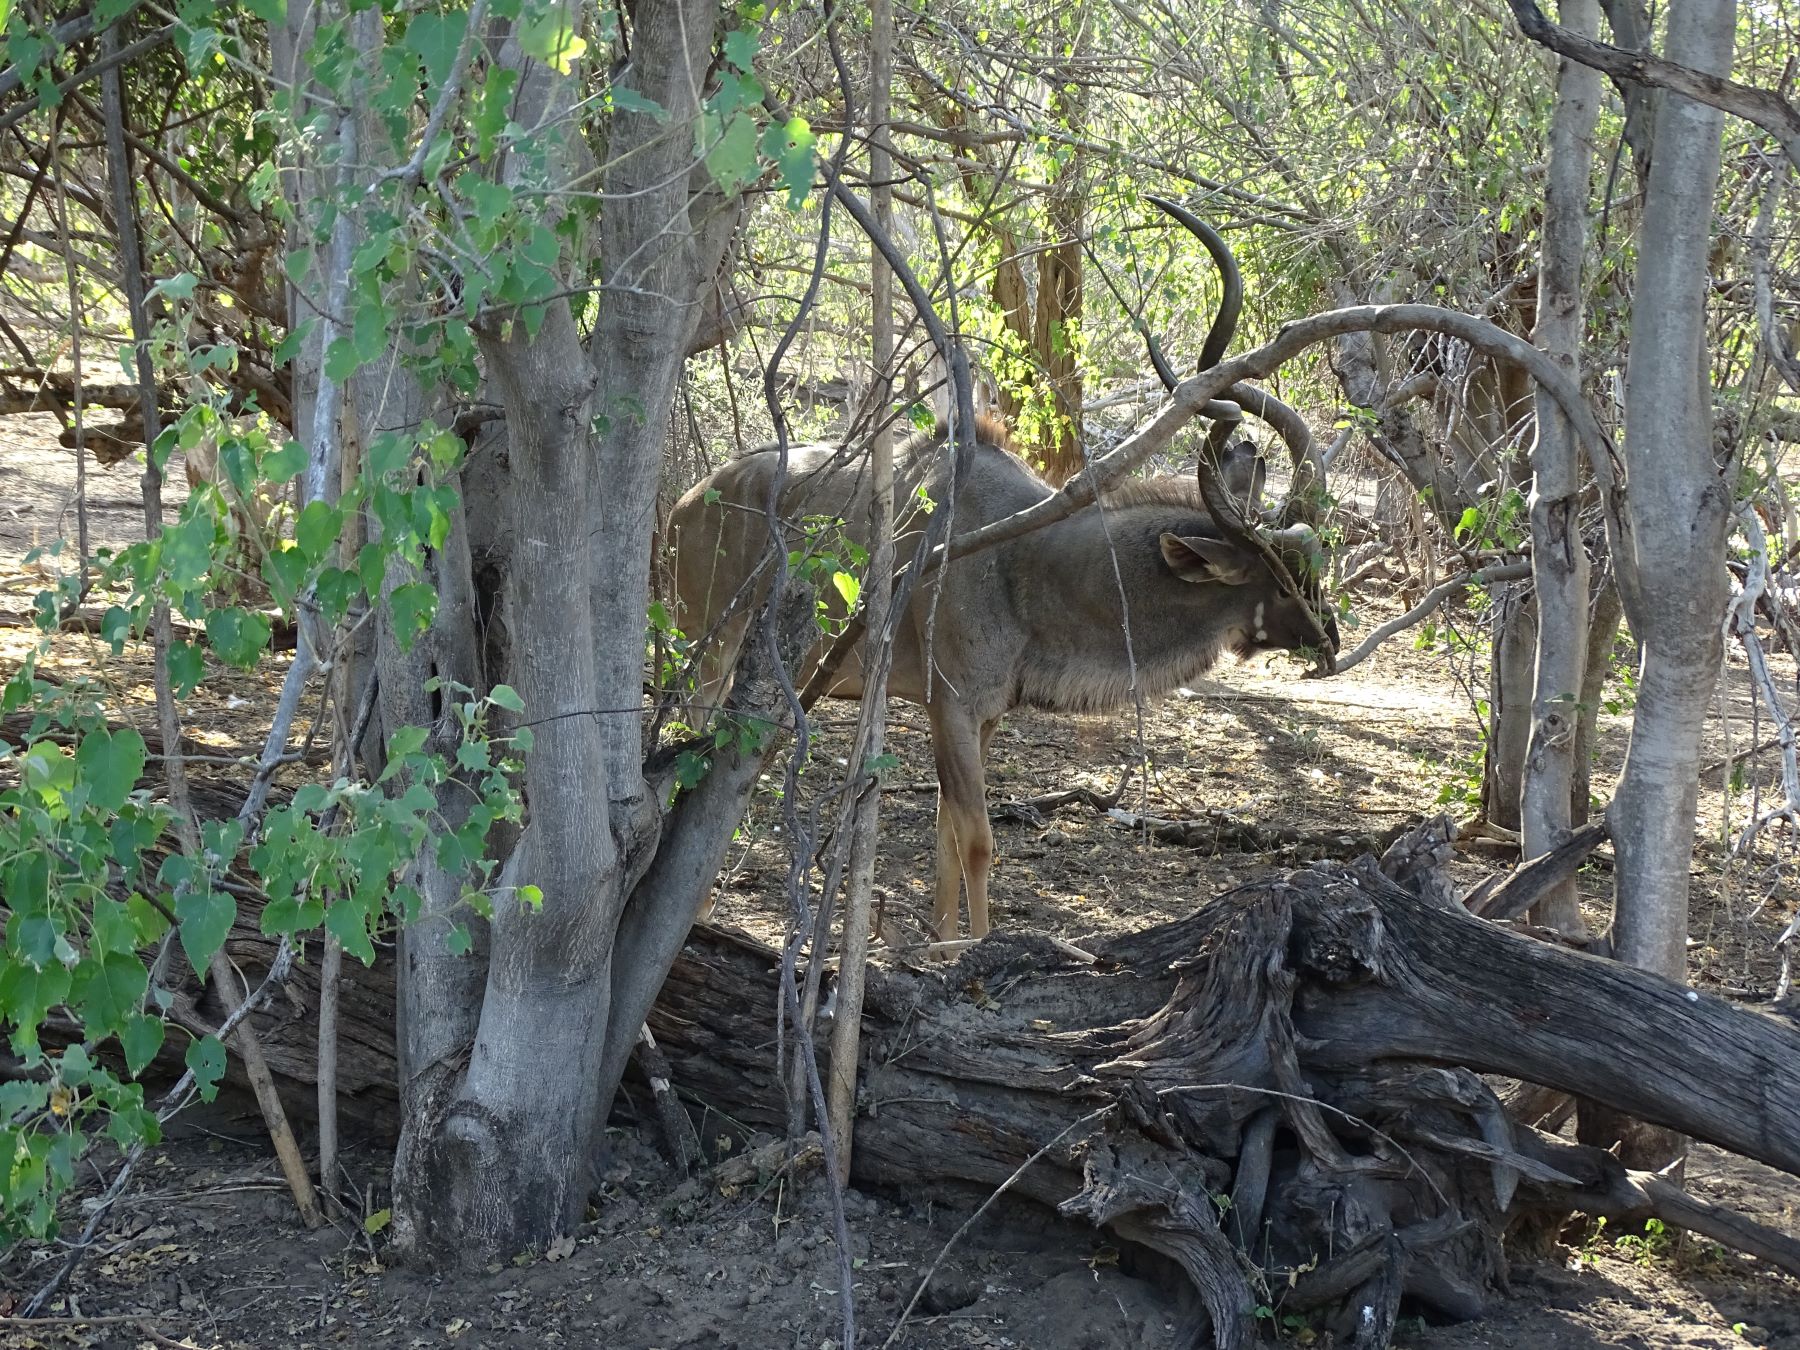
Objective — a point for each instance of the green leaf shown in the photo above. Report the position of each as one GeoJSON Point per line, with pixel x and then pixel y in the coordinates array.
{"type": "Point", "coordinates": [406, 741]}
{"type": "Point", "coordinates": [532, 896]}
{"type": "Point", "coordinates": [847, 586]}
{"type": "Point", "coordinates": [791, 147]}
{"type": "Point", "coordinates": [287, 916]}
{"type": "Point", "coordinates": [336, 589]}
{"type": "Point", "coordinates": [413, 606]}
{"type": "Point", "coordinates": [238, 636]}
{"type": "Point", "coordinates": [110, 765]}
{"type": "Point", "coordinates": [740, 48]}
{"type": "Point", "coordinates": [318, 529]}
{"type": "Point", "coordinates": [115, 627]}
{"type": "Point", "coordinates": [186, 666]}
{"type": "Point", "coordinates": [187, 550]}
{"type": "Point", "coordinates": [27, 886]}
{"type": "Point", "coordinates": [26, 994]}
{"type": "Point", "coordinates": [113, 927]}
{"type": "Point", "coordinates": [206, 1058]}
{"type": "Point", "coordinates": [107, 991]}
{"type": "Point", "coordinates": [551, 38]}
{"type": "Point", "coordinates": [377, 1221]}
{"type": "Point", "coordinates": [627, 99]}
{"type": "Point", "coordinates": [46, 769]}
{"type": "Point", "coordinates": [490, 115]}
{"type": "Point", "coordinates": [434, 38]}
{"type": "Point", "coordinates": [387, 453]}
{"type": "Point", "coordinates": [285, 463]}
{"type": "Point", "coordinates": [284, 568]}
{"type": "Point", "coordinates": [505, 696]}
{"type": "Point", "coordinates": [458, 940]}
{"type": "Point", "coordinates": [348, 922]}
{"type": "Point", "coordinates": [732, 158]}
{"type": "Point", "coordinates": [141, 1038]}
{"type": "Point", "coordinates": [206, 918]}
{"type": "Point", "coordinates": [341, 360]}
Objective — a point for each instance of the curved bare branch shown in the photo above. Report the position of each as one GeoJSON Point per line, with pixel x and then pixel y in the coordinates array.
{"type": "Point", "coordinates": [1190, 398]}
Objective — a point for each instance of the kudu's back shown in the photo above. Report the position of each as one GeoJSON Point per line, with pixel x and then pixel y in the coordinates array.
{"type": "Point", "coordinates": [720, 538]}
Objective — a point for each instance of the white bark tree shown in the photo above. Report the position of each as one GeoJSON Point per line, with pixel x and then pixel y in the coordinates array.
{"type": "Point", "coordinates": [1559, 563]}
{"type": "Point", "coordinates": [1677, 507]}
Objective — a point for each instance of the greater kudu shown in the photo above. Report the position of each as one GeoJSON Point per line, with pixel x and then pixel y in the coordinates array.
{"type": "Point", "coordinates": [1134, 595]}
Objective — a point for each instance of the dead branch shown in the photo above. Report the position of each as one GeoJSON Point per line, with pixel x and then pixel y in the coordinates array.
{"type": "Point", "coordinates": [1761, 107]}
{"type": "Point", "coordinates": [1482, 576]}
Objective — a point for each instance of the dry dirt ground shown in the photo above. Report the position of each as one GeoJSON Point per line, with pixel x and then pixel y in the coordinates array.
{"type": "Point", "coordinates": [205, 1250]}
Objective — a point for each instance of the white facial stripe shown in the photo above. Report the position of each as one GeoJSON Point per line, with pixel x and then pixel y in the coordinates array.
{"type": "Point", "coordinates": [1256, 619]}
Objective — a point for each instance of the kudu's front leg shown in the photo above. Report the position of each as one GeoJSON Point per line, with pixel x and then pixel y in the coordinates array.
{"type": "Point", "coordinates": [965, 850]}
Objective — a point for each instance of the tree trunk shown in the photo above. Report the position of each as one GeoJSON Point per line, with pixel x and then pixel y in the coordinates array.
{"type": "Point", "coordinates": [1672, 537]}
{"type": "Point", "coordinates": [1676, 509]}
{"type": "Point", "coordinates": [495, 1158]}
{"type": "Point", "coordinates": [1514, 633]}
{"type": "Point", "coordinates": [1559, 563]}
{"type": "Point", "coordinates": [1603, 635]}
{"type": "Point", "coordinates": [1056, 333]}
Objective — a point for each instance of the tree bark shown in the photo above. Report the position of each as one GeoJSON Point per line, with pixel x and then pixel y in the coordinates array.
{"type": "Point", "coordinates": [1603, 634]}
{"type": "Point", "coordinates": [1289, 1001]}
{"type": "Point", "coordinates": [1514, 633]}
{"type": "Point", "coordinates": [495, 1158]}
{"type": "Point", "coordinates": [1559, 562]}
{"type": "Point", "coordinates": [1672, 577]}
{"type": "Point", "coordinates": [1056, 330]}
{"type": "Point", "coordinates": [1671, 550]}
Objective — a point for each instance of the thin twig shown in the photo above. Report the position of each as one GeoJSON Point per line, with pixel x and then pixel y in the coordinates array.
{"type": "Point", "coordinates": [1740, 621]}
{"type": "Point", "coordinates": [169, 720]}
{"type": "Point", "coordinates": [981, 1209]}
{"type": "Point", "coordinates": [1482, 576]}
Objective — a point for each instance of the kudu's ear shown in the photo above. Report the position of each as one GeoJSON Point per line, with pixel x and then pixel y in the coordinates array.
{"type": "Point", "coordinates": [1196, 558]}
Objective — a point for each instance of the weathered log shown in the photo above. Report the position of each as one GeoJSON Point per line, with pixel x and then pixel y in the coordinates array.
{"type": "Point", "coordinates": [1283, 1047]}
{"type": "Point", "coordinates": [1275, 1092]}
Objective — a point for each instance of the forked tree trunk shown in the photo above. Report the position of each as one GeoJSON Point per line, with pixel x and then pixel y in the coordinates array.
{"type": "Point", "coordinates": [494, 1156]}
{"type": "Point", "coordinates": [507, 1061]}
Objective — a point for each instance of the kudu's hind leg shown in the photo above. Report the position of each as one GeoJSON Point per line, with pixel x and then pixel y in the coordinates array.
{"type": "Point", "coordinates": [965, 838]}
{"type": "Point", "coordinates": [718, 662]}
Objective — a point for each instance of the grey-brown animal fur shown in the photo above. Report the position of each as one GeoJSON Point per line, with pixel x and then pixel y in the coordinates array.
{"type": "Point", "coordinates": [1034, 622]}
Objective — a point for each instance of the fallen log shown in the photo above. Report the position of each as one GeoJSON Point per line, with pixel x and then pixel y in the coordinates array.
{"type": "Point", "coordinates": [1282, 1086]}
{"type": "Point", "coordinates": [1279, 1092]}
